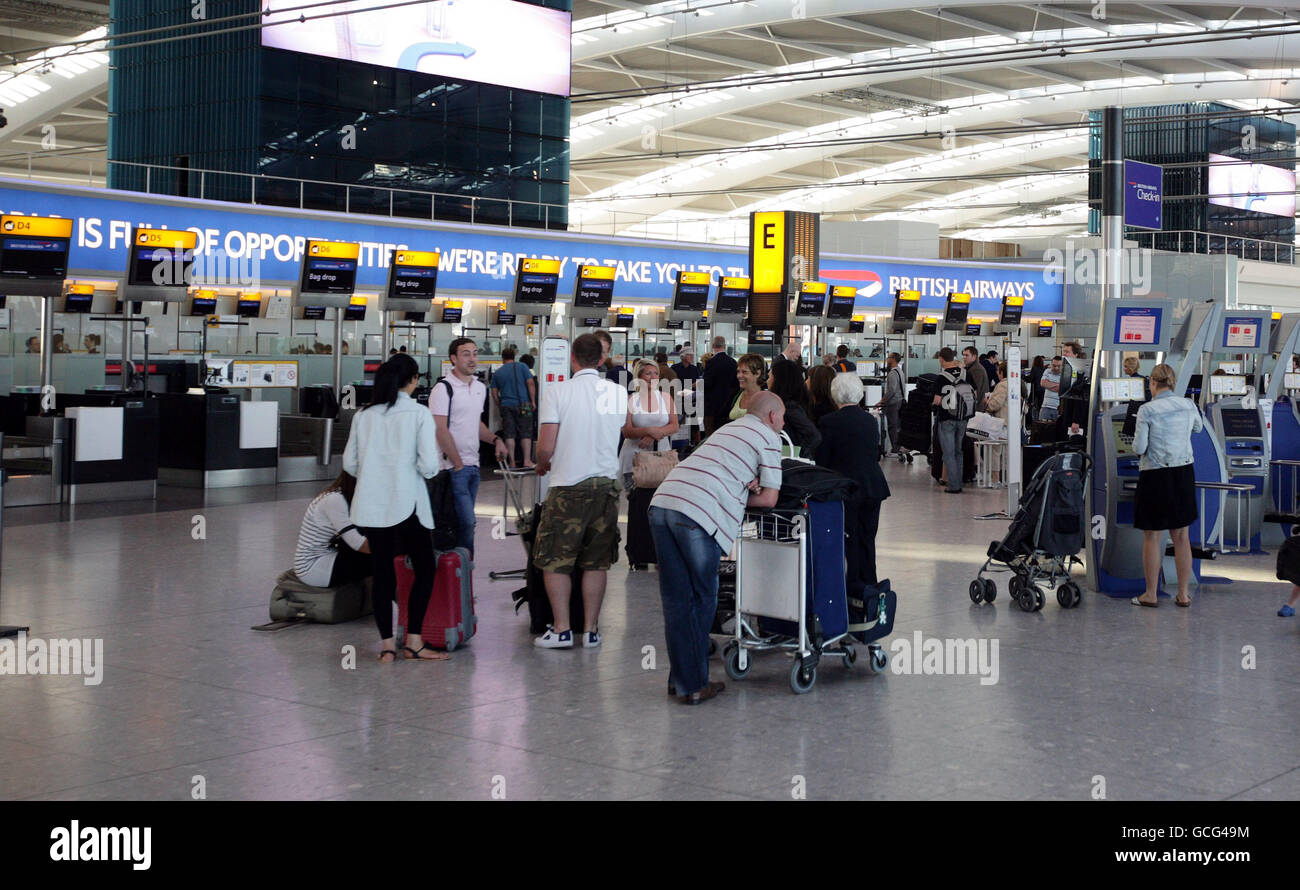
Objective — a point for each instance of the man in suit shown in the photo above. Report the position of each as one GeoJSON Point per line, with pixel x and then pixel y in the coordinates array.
{"type": "Point", "coordinates": [687, 374]}
{"type": "Point", "coordinates": [791, 354]}
{"type": "Point", "coordinates": [720, 385]}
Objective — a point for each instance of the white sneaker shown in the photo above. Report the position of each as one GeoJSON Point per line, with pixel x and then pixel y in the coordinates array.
{"type": "Point", "coordinates": [591, 639]}
{"type": "Point", "coordinates": [553, 640]}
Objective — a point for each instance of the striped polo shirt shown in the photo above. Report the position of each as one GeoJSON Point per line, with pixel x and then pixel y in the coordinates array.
{"type": "Point", "coordinates": [711, 486]}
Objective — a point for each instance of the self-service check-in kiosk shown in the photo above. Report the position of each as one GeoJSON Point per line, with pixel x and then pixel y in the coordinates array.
{"type": "Point", "coordinates": [1284, 428]}
{"type": "Point", "coordinates": [1116, 564]}
{"type": "Point", "coordinates": [1237, 419]}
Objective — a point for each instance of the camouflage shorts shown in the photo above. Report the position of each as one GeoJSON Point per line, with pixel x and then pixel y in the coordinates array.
{"type": "Point", "coordinates": [579, 527]}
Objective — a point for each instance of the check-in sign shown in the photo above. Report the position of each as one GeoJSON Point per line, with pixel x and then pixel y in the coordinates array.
{"type": "Point", "coordinates": [1143, 194]}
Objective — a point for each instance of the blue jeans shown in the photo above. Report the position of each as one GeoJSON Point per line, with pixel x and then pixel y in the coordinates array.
{"type": "Point", "coordinates": [951, 435]}
{"type": "Point", "coordinates": [1046, 413]}
{"type": "Point", "coordinates": [688, 587]}
{"type": "Point", "coordinates": [464, 488]}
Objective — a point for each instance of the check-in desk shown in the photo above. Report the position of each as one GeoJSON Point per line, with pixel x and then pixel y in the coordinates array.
{"type": "Point", "coordinates": [311, 448]}
{"type": "Point", "coordinates": [34, 462]}
{"type": "Point", "coordinates": [217, 440]}
{"type": "Point", "coordinates": [111, 448]}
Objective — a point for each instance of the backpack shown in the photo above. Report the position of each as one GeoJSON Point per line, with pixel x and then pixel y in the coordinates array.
{"type": "Point", "coordinates": [959, 399]}
{"type": "Point", "coordinates": [801, 482]}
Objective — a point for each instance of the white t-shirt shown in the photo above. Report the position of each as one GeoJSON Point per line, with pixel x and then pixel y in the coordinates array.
{"type": "Point", "coordinates": [590, 411]}
{"type": "Point", "coordinates": [466, 414]}
{"type": "Point", "coordinates": [661, 405]}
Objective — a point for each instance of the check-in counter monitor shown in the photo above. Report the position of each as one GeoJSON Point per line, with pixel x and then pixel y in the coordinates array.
{"type": "Point", "coordinates": [327, 276]}
{"type": "Point", "coordinates": [593, 290]}
{"type": "Point", "coordinates": [412, 282]}
{"type": "Point", "coordinates": [160, 265]}
{"type": "Point", "coordinates": [955, 311]}
{"type": "Point", "coordinates": [732, 302]}
{"type": "Point", "coordinates": [1012, 309]}
{"type": "Point", "coordinates": [34, 255]}
{"type": "Point", "coordinates": [810, 303]}
{"type": "Point", "coordinates": [690, 296]}
{"type": "Point", "coordinates": [536, 284]}
{"type": "Point", "coordinates": [839, 307]}
{"type": "Point", "coordinates": [906, 304]}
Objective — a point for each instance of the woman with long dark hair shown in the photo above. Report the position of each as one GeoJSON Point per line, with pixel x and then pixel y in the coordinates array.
{"type": "Point", "coordinates": [331, 551]}
{"type": "Point", "coordinates": [819, 392]}
{"type": "Point", "coordinates": [392, 449]}
{"type": "Point", "coordinates": [786, 381]}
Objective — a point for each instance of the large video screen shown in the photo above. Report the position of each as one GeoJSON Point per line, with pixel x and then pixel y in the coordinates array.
{"type": "Point", "coordinates": [500, 42]}
{"type": "Point", "coordinates": [1246, 186]}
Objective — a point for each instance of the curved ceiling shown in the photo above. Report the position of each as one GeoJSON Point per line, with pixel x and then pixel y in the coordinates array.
{"type": "Point", "coordinates": [689, 114]}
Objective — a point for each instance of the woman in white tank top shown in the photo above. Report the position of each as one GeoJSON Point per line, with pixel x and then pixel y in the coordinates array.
{"type": "Point", "coordinates": [651, 420]}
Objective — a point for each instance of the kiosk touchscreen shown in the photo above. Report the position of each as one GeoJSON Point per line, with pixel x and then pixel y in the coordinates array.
{"type": "Point", "coordinates": [34, 255]}
{"type": "Point", "coordinates": [536, 283]}
{"type": "Point", "coordinates": [956, 311]}
{"type": "Point", "coordinates": [906, 304]}
{"type": "Point", "coordinates": [839, 307]}
{"type": "Point", "coordinates": [690, 296]}
{"type": "Point", "coordinates": [412, 281]}
{"type": "Point", "coordinates": [160, 265]}
{"type": "Point", "coordinates": [594, 287]}
{"type": "Point", "coordinates": [1137, 326]}
{"type": "Point", "coordinates": [810, 303]}
{"type": "Point", "coordinates": [732, 302]}
{"type": "Point", "coordinates": [328, 274]}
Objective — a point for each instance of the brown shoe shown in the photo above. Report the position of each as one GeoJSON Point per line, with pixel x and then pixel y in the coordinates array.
{"type": "Point", "coordinates": [703, 695]}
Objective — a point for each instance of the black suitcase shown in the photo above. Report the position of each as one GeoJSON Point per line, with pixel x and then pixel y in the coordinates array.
{"type": "Point", "coordinates": [639, 545]}
{"type": "Point", "coordinates": [533, 593]}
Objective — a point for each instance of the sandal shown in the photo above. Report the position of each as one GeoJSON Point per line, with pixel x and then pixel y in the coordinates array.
{"type": "Point", "coordinates": [1141, 602]}
{"type": "Point", "coordinates": [1184, 603]}
{"type": "Point", "coordinates": [414, 654]}
{"type": "Point", "coordinates": [383, 652]}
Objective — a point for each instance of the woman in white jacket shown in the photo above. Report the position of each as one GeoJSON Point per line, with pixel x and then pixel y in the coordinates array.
{"type": "Point", "coordinates": [392, 449]}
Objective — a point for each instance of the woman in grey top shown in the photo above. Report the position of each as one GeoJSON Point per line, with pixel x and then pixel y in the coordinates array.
{"type": "Point", "coordinates": [1166, 489]}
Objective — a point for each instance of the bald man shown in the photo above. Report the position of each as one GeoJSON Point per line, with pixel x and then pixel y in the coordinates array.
{"type": "Point", "coordinates": [695, 517]}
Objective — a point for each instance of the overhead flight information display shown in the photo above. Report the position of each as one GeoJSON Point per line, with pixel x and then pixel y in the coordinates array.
{"type": "Point", "coordinates": [536, 282]}
{"type": "Point", "coordinates": [811, 302]}
{"type": "Point", "coordinates": [906, 303]}
{"type": "Point", "coordinates": [1012, 307]}
{"type": "Point", "coordinates": [955, 313]}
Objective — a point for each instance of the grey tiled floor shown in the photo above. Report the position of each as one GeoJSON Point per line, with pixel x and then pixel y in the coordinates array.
{"type": "Point", "coordinates": [1155, 701]}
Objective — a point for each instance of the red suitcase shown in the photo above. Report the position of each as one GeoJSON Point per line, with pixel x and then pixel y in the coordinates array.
{"type": "Point", "coordinates": [450, 620]}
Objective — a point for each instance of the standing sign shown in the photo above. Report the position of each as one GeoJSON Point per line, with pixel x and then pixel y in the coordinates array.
{"type": "Point", "coordinates": [1143, 192]}
{"type": "Point", "coordinates": [1014, 453]}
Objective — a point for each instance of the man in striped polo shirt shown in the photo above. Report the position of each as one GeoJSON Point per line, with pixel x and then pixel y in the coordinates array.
{"type": "Point", "coordinates": [695, 516]}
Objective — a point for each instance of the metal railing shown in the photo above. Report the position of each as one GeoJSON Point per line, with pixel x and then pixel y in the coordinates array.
{"type": "Point", "coordinates": [1193, 241]}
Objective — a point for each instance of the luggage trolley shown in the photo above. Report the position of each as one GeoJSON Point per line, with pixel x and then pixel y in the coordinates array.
{"type": "Point", "coordinates": [775, 609]}
{"type": "Point", "coordinates": [520, 490]}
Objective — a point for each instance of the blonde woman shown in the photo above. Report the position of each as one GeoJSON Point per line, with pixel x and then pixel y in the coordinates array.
{"type": "Point", "coordinates": [1166, 491]}
{"type": "Point", "coordinates": [751, 373]}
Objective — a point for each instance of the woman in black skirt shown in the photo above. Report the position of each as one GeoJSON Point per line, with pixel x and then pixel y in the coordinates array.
{"type": "Point", "coordinates": [1166, 489]}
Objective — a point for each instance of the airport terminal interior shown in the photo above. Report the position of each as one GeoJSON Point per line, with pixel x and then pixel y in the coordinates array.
{"type": "Point", "coordinates": [936, 349]}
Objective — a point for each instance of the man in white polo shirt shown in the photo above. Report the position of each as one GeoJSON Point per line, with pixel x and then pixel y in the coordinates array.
{"type": "Point", "coordinates": [695, 516]}
{"type": "Point", "coordinates": [457, 406]}
{"type": "Point", "coordinates": [577, 444]}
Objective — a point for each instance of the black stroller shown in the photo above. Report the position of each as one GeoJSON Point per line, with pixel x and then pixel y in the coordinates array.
{"type": "Point", "coordinates": [1049, 530]}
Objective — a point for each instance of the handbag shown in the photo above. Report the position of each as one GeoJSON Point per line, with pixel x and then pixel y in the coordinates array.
{"type": "Point", "coordinates": [442, 501]}
{"type": "Point", "coordinates": [650, 468]}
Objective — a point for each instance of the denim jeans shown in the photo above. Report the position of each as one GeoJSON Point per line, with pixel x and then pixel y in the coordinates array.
{"type": "Point", "coordinates": [1046, 413]}
{"type": "Point", "coordinates": [464, 488]}
{"type": "Point", "coordinates": [688, 587]}
{"type": "Point", "coordinates": [951, 436]}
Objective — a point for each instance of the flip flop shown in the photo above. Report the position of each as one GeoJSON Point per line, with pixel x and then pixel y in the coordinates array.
{"type": "Point", "coordinates": [383, 652]}
{"type": "Point", "coordinates": [1183, 603]}
{"type": "Point", "coordinates": [1137, 602]}
{"type": "Point", "coordinates": [414, 654]}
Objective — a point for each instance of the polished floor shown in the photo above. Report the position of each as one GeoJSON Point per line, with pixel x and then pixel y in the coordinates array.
{"type": "Point", "coordinates": [1165, 703]}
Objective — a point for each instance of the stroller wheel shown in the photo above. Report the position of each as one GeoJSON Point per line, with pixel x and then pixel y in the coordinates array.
{"type": "Point", "coordinates": [1036, 594]}
{"type": "Point", "coordinates": [1068, 595]}
{"type": "Point", "coordinates": [977, 591]}
{"type": "Point", "coordinates": [1015, 587]}
{"type": "Point", "coordinates": [990, 590]}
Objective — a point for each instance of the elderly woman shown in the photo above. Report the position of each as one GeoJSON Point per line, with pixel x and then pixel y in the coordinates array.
{"type": "Point", "coordinates": [851, 446]}
{"type": "Point", "coordinates": [1165, 500]}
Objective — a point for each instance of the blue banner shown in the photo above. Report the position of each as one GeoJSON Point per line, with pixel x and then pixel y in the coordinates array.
{"type": "Point", "coordinates": [1143, 193]}
{"type": "Point", "coordinates": [479, 259]}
